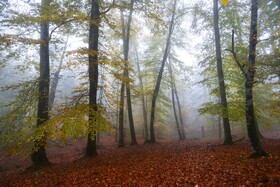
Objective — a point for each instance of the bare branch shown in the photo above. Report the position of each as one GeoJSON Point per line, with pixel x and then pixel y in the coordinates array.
{"type": "Point", "coordinates": [108, 9]}
{"type": "Point", "coordinates": [235, 55]}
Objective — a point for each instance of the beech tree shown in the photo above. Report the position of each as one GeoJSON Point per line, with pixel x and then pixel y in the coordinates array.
{"type": "Point", "coordinates": [39, 154]}
{"type": "Point", "coordinates": [160, 74]}
{"type": "Point", "coordinates": [142, 95]}
{"type": "Point", "coordinates": [222, 89]}
{"type": "Point", "coordinates": [250, 114]}
{"type": "Point", "coordinates": [126, 38]}
{"type": "Point", "coordinates": [91, 148]}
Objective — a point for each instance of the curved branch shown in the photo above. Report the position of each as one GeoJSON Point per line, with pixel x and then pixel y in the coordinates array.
{"type": "Point", "coordinates": [235, 56]}
{"type": "Point", "coordinates": [108, 9]}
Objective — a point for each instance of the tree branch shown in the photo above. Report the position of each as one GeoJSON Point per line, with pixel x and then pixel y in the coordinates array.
{"type": "Point", "coordinates": [62, 23]}
{"type": "Point", "coordinates": [108, 9]}
{"type": "Point", "coordinates": [235, 55]}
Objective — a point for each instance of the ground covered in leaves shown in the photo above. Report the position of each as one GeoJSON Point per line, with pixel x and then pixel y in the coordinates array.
{"type": "Point", "coordinates": [188, 163]}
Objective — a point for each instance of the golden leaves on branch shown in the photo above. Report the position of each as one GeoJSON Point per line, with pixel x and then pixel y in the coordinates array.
{"type": "Point", "coordinates": [224, 2]}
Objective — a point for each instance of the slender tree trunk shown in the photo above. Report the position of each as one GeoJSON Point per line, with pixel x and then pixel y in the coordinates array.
{"type": "Point", "coordinates": [126, 38]}
{"type": "Point", "coordinates": [158, 82]}
{"type": "Point", "coordinates": [175, 112]}
{"type": "Point", "coordinates": [220, 127]}
{"type": "Point", "coordinates": [39, 155]}
{"type": "Point", "coordinates": [121, 117]}
{"type": "Point", "coordinates": [180, 113]}
{"type": "Point", "coordinates": [227, 131]}
{"type": "Point", "coordinates": [250, 114]}
{"type": "Point", "coordinates": [56, 77]}
{"type": "Point", "coordinates": [172, 83]}
{"type": "Point", "coordinates": [91, 149]}
{"type": "Point", "coordinates": [145, 120]}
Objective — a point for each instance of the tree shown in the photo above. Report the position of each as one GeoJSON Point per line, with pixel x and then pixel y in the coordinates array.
{"type": "Point", "coordinates": [158, 81]}
{"type": "Point", "coordinates": [91, 149]}
{"type": "Point", "coordinates": [144, 109]}
{"type": "Point", "coordinates": [227, 131]}
{"type": "Point", "coordinates": [56, 76]}
{"type": "Point", "coordinates": [39, 154]}
{"type": "Point", "coordinates": [126, 37]}
{"type": "Point", "coordinates": [250, 114]}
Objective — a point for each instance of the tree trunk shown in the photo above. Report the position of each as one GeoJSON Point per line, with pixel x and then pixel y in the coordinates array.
{"type": "Point", "coordinates": [39, 155]}
{"type": "Point", "coordinates": [158, 82]}
{"type": "Point", "coordinates": [220, 127]}
{"type": "Point", "coordinates": [172, 83]}
{"type": "Point", "coordinates": [126, 38]}
{"type": "Point", "coordinates": [91, 149]}
{"type": "Point", "coordinates": [227, 131]}
{"type": "Point", "coordinates": [175, 112]}
{"type": "Point", "coordinates": [180, 113]}
{"type": "Point", "coordinates": [250, 114]}
{"type": "Point", "coordinates": [121, 117]}
{"type": "Point", "coordinates": [56, 77]}
{"type": "Point", "coordinates": [145, 120]}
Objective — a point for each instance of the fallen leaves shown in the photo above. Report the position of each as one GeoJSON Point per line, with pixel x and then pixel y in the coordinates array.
{"type": "Point", "coordinates": [188, 163]}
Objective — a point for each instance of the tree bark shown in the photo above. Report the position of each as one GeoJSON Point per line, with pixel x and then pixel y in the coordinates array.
{"type": "Point", "coordinates": [173, 93]}
{"type": "Point", "coordinates": [227, 130]}
{"type": "Point", "coordinates": [220, 127]}
{"type": "Point", "coordinates": [180, 113]}
{"type": "Point", "coordinates": [56, 77]}
{"type": "Point", "coordinates": [158, 82]}
{"type": "Point", "coordinates": [39, 156]}
{"type": "Point", "coordinates": [250, 114]}
{"type": "Point", "coordinates": [126, 38]}
{"type": "Point", "coordinates": [91, 149]}
{"type": "Point", "coordinates": [121, 117]}
{"type": "Point", "coordinates": [144, 109]}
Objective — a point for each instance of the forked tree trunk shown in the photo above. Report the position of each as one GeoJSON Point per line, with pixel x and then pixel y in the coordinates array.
{"type": "Point", "coordinates": [250, 114]}
{"type": "Point", "coordinates": [91, 149]}
{"type": "Point", "coordinates": [158, 82]}
{"type": "Point", "coordinates": [39, 155]}
{"type": "Point", "coordinates": [227, 130]}
{"type": "Point", "coordinates": [173, 93]}
{"type": "Point", "coordinates": [126, 38]}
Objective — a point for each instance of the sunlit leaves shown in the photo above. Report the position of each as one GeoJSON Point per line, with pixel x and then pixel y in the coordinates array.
{"type": "Point", "coordinates": [73, 122]}
{"type": "Point", "coordinates": [224, 2]}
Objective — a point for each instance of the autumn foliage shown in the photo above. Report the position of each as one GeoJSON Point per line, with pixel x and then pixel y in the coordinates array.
{"type": "Point", "coordinates": [188, 163]}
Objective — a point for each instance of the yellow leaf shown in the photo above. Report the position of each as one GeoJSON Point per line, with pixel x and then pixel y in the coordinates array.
{"type": "Point", "coordinates": [225, 2]}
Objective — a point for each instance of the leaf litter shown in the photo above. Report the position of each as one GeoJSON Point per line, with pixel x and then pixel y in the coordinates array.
{"type": "Point", "coordinates": [187, 163]}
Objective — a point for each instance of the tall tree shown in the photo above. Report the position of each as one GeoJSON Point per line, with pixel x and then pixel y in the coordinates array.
{"type": "Point", "coordinates": [91, 149]}
{"type": "Point", "coordinates": [173, 102]}
{"type": "Point", "coordinates": [250, 114]}
{"type": "Point", "coordinates": [125, 83]}
{"type": "Point", "coordinates": [144, 109]}
{"type": "Point", "coordinates": [39, 155]}
{"type": "Point", "coordinates": [126, 37]}
{"type": "Point", "coordinates": [180, 113]}
{"type": "Point", "coordinates": [227, 130]}
{"type": "Point", "coordinates": [160, 74]}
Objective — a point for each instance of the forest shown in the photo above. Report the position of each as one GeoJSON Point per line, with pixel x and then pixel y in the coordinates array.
{"type": "Point", "coordinates": [140, 93]}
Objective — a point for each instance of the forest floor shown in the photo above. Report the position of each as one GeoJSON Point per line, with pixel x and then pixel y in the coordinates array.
{"type": "Point", "coordinates": [166, 163]}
